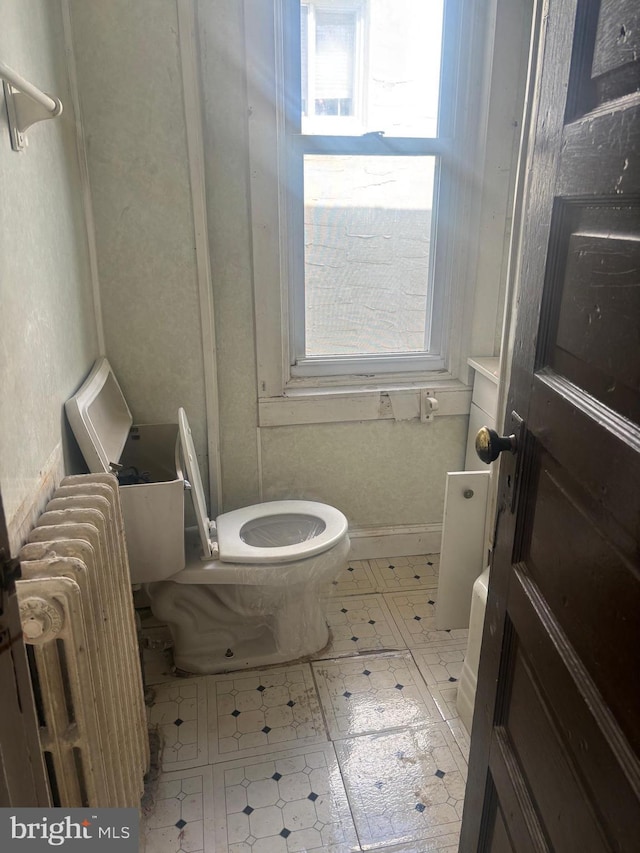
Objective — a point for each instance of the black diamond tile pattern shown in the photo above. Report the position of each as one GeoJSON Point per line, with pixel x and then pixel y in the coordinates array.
{"type": "Point", "coordinates": [313, 796]}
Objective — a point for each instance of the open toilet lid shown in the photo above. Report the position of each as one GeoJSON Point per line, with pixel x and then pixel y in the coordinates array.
{"type": "Point", "coordinates": [100, 418]}
{"type": "Point", "coordinates": [193, 475]}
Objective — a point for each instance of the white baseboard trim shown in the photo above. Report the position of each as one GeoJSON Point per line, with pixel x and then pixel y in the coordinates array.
{"type": "Point", "coordinates": [370, 543]}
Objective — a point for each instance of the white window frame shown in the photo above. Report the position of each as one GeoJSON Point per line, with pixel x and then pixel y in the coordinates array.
{"type": "Point", "coordinates": [342, 395]}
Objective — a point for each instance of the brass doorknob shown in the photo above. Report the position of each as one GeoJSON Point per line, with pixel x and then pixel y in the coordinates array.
{"type": "Point", "coordinates": [489, 445]}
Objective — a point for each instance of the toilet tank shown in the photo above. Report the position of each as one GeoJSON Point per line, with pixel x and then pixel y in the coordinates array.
{"type": "Point", "coordinates": [145, 457]}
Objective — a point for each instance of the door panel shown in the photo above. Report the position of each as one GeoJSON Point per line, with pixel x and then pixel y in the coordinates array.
{"type": "Point", "coordinates": [555, 746]}
{"type": "Point", "coordinates": [500, 842]}
{"type": "Point", "coordinates": [529, 723]}
{"type": "Point", "coordinates": [589, 731]}
{"type": "Point", "coordinates": [575, 574]}
{"type": "Point", "coordinates": [616, 48]}
{"type": "Point", "coordinates": [599, 305]}
{"type": "Point", "coordinates": [593, 442]}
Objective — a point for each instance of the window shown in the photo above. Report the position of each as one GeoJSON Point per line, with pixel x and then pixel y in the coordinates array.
{"type": "Point", "coordinates": [364, 118]}
{"type": "Point", "coordinates": [363, 290]}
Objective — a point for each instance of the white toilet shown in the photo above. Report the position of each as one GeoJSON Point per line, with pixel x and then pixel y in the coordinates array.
{"type": "Point", "coordinates": [241, 592]}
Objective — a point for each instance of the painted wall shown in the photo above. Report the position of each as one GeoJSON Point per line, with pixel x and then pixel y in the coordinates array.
{"type": "Point", "coordinates": [378, 473]}
{"type": "Point", "coordinates": [227, 180]}
{"type": "Point", "coordinates": [130, 87]}
{"type": "Point", "coordinates": [49, 333]}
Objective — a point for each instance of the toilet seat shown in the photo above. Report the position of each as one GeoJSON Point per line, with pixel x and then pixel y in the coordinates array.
{"type": "Point", "coordinates": [308, 526]}
{"type": "Point", "coordinates": [294, 530]}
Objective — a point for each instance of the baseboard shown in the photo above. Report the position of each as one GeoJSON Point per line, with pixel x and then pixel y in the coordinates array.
{"type": "Point", "coordinates": [370, 543]}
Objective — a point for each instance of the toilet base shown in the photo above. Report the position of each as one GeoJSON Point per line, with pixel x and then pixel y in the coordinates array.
{"type": "Point", "coordinates": [245, 656]}
{"type": "Point", "coordinates": [224, 627]}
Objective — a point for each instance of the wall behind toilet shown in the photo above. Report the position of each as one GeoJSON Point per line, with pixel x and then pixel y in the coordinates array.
{"type": "Point", "coordinates": [378, 472]}
{"type": "Point", "coordinates": [381, 472]}
{"type": "Point", "coordinates": [130, 88]}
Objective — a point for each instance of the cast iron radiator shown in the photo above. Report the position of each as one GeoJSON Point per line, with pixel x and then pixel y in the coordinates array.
{"type": "Point", "coordinates": [78, 621]}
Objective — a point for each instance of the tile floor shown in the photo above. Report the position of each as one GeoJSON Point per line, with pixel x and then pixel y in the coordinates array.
{"type": "Point", "coordinates": [358, 748]}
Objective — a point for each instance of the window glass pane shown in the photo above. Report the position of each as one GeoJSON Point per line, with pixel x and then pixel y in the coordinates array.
{"type": "Point", "coordinates": [335, 55]}
{"type": "Point", "coordinates": [381, 60]}
{"type": "Point", "coordinates": [367, 232]}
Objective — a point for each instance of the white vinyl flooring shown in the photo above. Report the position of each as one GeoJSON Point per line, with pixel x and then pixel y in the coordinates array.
{"type": "Point", "coordinates": [358, 748]}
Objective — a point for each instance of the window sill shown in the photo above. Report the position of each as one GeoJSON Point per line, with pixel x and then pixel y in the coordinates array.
{"type": "Point", "coordinates": [398, 402]}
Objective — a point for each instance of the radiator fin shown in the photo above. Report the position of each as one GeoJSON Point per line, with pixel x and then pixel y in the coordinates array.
{"type": "Point", "coordinates": [77, 613]}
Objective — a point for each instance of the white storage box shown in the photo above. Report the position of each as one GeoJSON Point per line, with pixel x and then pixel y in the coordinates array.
{"type": "Point", "coordinates": [146, 456]}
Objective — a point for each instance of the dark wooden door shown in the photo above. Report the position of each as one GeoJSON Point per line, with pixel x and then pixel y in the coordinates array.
{"type": "Point", "coordinates": [554, 762]}
{"type": "Point", "coordinates": [22, 774]}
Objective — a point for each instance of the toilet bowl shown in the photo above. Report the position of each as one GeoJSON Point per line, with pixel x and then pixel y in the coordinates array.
{"type": "Point", "coordinates": [239, 592]}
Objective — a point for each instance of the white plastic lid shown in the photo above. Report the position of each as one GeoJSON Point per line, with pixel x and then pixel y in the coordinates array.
{"type": "Point", "coordinates": [193, 475]}
{"type": "Point", "coordinates": [100, 418]}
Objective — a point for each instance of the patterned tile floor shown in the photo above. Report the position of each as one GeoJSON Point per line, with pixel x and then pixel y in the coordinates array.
{"type": "Point", "coordinates": [358, 749]}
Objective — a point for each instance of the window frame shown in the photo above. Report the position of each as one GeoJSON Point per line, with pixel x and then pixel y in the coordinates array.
{"type": "Point", "coordinates": [300, 144]}
{"type": "Point", "coordinates": [272, 187]}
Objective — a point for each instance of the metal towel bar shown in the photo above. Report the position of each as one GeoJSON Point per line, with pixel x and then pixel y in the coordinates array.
{"type": "Point", "coordinates": [26, 105]}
